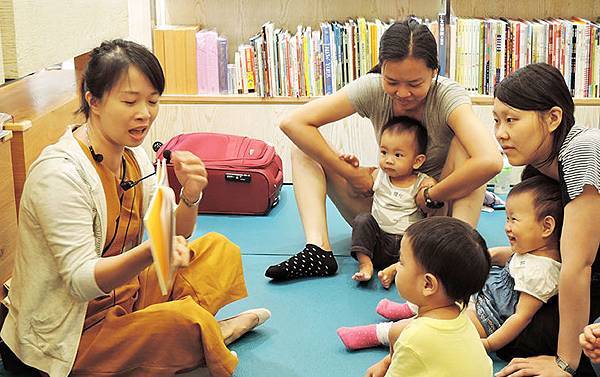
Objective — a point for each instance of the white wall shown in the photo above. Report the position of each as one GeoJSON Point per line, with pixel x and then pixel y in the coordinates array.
{"type": "Point", "coordinates": [140, 22]}
{"type": "Point", "coordinates": [41, 33]}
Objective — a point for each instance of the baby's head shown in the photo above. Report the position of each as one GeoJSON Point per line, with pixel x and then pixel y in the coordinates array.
{"type": "Point", "coordinates": [402, 146]}
{"type": "Point", "coordinates": [534, 215]}
{"type": "Point", "coordinates": [442, 259]}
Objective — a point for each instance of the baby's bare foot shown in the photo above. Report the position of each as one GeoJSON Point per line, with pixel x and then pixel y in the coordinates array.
{"type": "Point", "coordinates": [365, 272]}
{"type": "Point", "coordinates": [386, 276]}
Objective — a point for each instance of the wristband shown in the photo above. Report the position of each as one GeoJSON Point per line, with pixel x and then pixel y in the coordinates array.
{"type": "Point", "coordinates": [430, 203]}
{"type": "Point", "coordinates": [188, 202]}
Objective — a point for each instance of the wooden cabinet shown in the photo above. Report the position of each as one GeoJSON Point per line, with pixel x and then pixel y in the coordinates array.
{"type": "Point", "coordinates": [42, 106]}
{"type": "Point", "coordinates": [8, 213]}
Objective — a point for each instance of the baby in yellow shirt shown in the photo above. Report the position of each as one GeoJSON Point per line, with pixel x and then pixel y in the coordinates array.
{"type": "Point", "coordinates": [443, 261]}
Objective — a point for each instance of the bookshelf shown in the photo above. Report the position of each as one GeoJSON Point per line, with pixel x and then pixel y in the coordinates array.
{"type": "Point", "coordinates": [174, 99]}
{"type": "Point", "coordinates": [259, 117]}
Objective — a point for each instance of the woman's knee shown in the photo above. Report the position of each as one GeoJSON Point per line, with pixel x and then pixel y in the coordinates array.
{"type": "Point", "coordinates": [212, 240]}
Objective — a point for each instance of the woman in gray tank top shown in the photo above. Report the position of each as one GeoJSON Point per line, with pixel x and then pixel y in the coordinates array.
{"type": "Point", "coordinates": [461, 154]}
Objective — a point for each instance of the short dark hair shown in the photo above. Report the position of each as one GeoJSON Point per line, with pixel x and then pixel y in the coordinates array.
{"type": "Point", "coordinates": [453, 252]}
{"type": "Point", "coordinates": [547, 200]}
{"type": "Point", "coordinates": [539, 87]}
{"type": "Point", "coordinates": [407, 38]}
{"type": "Point", "coordinates": [110, 61]}
{"type": "Point", "coordinates": [404, 123]}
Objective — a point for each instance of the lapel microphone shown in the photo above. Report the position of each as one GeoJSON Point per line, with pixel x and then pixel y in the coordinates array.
{"type": "Point", "coordinates": [96, 156]}
{"type": "Point", "coordinates": [126, 185]}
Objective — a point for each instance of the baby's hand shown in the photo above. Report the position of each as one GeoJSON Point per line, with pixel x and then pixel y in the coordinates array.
{"type": "Point", "coordinates": [181, 252]}
{"type": "Point", "coordinates": [350, 159]}
{"type": "Point", "coordinates": [590, 342]}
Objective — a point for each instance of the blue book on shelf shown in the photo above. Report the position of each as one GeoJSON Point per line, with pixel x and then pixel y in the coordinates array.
{"type": "Point", "coordinates": [327, 71]}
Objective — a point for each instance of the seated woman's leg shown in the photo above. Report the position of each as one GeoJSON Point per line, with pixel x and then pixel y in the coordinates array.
{"type": "Point", "coordinates": [159, 340]}
{"type": "Point", "coordinates": [214, 277]}
{"type": "Point", "coordinates": [311, 185]}
{"type": "Point", "coordinates": [467, 208]}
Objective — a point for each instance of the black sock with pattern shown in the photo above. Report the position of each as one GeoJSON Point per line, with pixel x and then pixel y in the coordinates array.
{"type": "Point", "coordinates": [312, 261]}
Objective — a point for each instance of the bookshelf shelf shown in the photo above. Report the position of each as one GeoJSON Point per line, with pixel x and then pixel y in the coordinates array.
{"type": "Point", "coordinates": [251, 99]}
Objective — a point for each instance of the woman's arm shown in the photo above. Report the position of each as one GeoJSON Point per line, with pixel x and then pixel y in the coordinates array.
{"type": "Point", "coordinates": [579, 244]}
{"type": "Point", "coordinates": [515, 324]}
{"type": "Point", "coordinates": [301, 126]}
{"type": "Point", "coordinates": [192, 175]}
{"type": "Point", "coordinates": [113, 272]}
{"type": "Point", "coordinates": [484, 160]}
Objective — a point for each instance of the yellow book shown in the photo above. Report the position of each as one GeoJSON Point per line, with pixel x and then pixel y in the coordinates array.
{"type": "Point", "coordinates": [159, 221]}
{"type": "Point", "coordinates": [362, 46]}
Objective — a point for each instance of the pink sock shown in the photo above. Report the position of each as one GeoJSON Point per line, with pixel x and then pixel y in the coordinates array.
{"type": "Point", "coordinates": [393, 310]}
{"type": "Point", "coordinates": [358, 337]}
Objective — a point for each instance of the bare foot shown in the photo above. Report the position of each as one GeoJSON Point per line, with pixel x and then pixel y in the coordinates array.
{"type": "Point", "coordinates": [387, 275]}
{"type": "Point", "coordinates": [365, 271]}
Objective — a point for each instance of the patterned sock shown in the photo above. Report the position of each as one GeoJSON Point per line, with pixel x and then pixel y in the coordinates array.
{"type": "Point", "coordinates": [312, 261]}
{"type": "Point", "coordinates": [393, 310]}
{"type": "Point", "coordinates": [359, 337]}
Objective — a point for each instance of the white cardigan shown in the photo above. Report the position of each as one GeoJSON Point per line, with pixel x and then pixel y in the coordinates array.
{"type": "Point", "coordinates": [62, 228]}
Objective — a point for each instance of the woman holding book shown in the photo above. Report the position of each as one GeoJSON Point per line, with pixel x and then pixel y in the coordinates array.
{"type": "Point", "coordinates": [461, 153]}
{"type": "Point", "coordinates": [535, 125]}
{"type": "Point", "coordinates": [84, 298]}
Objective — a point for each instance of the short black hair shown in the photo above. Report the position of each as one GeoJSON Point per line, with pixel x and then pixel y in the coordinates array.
{"type": "Point", "coordinates": [110, 61]}
{"type": "Point", "coordinates": [547, 200]}
{"type": "Point", "coordinates": [453, 252]}
{"type": "Point", "coordinates": [404, 123]}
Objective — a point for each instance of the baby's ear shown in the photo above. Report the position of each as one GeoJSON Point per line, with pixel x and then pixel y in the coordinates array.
{"type": "Point", "coordinates": [549, 225]}
{"type": "Point", "coordinates": [419, 160]}
{"type": "Point", "coordinates": [430, 284]}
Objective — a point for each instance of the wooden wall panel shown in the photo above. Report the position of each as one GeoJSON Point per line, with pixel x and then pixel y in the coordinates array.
{"type": "Point", "coordinates": [37, 34]}
{"type": "Point", "coordinates": [527, 9]}
{"type": "Point", "coordinates": [1, 61]}
{"type": "Point", "coordinates": [8, 215]}
{"type": "Point", "coordinates": [240, 19]}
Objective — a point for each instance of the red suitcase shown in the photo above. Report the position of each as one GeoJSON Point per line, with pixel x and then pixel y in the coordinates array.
{"type": "Point", "coordinates": [244, 174]}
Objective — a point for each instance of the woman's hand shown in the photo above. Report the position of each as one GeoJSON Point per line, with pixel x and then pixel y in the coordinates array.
{"type": "Point", "coordinates": [190, 172]}
{"type": "Point", "coordinates": [590, 342]}
{"type": "Point", "coordinates": [542, 366]}
{"type": "Point", "coordinates": [380, 368]}
{"type": "Point", "coordinates": [181, 252]}
{"type": "Point", "coordinates": [361, 182]}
